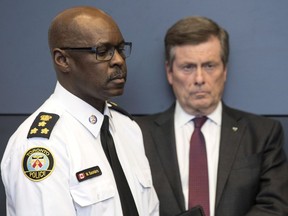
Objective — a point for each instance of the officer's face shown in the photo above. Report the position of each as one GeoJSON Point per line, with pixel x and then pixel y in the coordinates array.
{"type": "Point", "coordinates": [93, 80]}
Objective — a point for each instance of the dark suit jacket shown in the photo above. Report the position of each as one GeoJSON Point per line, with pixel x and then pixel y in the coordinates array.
{"type": "Point", "coordinates": [252, 168]}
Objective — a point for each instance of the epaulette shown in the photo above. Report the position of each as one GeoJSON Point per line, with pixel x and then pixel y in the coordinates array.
{"type": "Point", "coordinates": [114, 106]}
{"type": "Point", "coordinates": [43, 125]}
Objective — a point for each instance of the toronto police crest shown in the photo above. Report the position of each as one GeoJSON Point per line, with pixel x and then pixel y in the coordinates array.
{"type": "Point", "coordinates": [38, 163]}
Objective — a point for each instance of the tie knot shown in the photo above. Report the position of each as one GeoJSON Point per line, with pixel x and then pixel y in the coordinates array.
{"type": "Point", "coordinates": [199, 121]}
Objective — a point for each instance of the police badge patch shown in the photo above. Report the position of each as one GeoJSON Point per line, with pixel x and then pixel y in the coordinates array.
{"type": "Point", "coordinates": [38, 163]}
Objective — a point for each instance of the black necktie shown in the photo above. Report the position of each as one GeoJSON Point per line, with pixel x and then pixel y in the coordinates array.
{"type": "Point", "coordinates": [198, 168]}
{"type": "Point", "coordinates": [126, 197]}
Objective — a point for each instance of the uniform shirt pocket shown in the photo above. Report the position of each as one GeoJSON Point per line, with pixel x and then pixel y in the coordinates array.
{"type": "Point", "coordinates": [92, 192]}
{"type": "Point", "coordinates": [144, 178]}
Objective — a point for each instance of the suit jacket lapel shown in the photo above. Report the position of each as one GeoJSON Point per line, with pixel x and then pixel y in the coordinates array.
{"type": "Point", "coordinates": [231, 132]}
{"type": "Point", "coordinates": [164, 137]}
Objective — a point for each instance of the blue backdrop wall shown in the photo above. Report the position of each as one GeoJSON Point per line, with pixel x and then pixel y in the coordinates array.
{"type": "Point", "coordinates": [257, 70]}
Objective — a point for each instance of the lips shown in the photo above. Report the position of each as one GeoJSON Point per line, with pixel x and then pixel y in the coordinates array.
{"type": "Point", "coordinates": [118, 74]}
{"type": "Point", "coordinates": [118, 80]}
{"type": "Point", "coordinates": [199, 93]}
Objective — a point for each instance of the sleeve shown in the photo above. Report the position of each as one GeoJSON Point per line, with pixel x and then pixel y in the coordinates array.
{"type": "Point", "coordinates": [272, 198]}
{"type": "Point", "coordinates": [35, 180]}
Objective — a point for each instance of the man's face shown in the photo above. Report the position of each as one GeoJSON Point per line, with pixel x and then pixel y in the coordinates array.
{"type": "Point", "coordinates": [197, 76]}
{"type": "Point", "coordinates": [93, 80]}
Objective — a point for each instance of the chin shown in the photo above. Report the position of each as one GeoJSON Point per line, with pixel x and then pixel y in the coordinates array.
{"type": "Point", "coordinates": [117, 93]}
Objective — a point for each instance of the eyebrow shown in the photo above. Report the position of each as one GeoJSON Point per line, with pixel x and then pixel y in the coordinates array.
{"type": "Point", "coordinates": [109, 44]}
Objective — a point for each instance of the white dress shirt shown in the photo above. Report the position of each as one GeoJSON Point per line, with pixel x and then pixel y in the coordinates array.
{"type": "Point", "coordinates": [75, 145]}
{"type": "Point", "coordinates": [211, 130]}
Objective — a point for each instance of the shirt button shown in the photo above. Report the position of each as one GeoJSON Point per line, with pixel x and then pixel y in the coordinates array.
{"type": "Point", "coordinates": [93, 119]}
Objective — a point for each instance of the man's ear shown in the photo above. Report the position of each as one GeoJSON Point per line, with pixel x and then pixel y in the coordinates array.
{"type": "Point", "coordinates": [61, 60]}
{"type": "Point", "coordinates": [169, 74]}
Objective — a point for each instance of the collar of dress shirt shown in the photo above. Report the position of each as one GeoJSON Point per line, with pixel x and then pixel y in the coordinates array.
{"type": "Point", "coordinates": [87, 115]}
{"type": "Point", "coordinates": [182, 118]}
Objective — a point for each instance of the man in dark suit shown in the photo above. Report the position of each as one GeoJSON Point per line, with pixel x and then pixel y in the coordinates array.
{"type": "Point", "coordinates": [247, 171]}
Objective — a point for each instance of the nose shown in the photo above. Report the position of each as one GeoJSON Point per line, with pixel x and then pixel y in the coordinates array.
{"type": "Point", "coordinates": [199, 79]}
{"type": "Point", "coordinates": [117, 59]}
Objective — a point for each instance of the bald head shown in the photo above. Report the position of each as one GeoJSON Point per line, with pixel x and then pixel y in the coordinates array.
{"type": "Point", "coordinates": [76, 37]}
{"type": "Point", "coordinates": [73, 26]}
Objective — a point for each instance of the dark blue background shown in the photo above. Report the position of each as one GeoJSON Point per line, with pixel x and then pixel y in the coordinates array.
{"type": "Point", "coordinates": [258, 65]}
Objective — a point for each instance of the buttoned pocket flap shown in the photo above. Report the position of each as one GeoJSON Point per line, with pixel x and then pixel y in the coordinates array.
{"type": "Point", "coordinates": [145, 179]}
{"type": "Point", "coordinates": [85, 194]}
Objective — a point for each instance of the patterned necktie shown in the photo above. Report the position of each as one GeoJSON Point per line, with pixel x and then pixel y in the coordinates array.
{"type": "Point", "coordinates": [198, 169]}
{"type": "Point", "coordinates": [127, 201]}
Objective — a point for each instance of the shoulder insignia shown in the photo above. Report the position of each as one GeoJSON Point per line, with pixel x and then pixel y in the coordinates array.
{"type": "Point", "coordinates": [38, 163]}
{"type": "Point", "coordinates": [114, 106]}
{"type": "Point", "coordinates": [43, 125]}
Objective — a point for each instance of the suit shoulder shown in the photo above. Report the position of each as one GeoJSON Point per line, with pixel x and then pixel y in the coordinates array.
{"type": "Point", "coordinates": [252, 118]}
{"type": "Point", "coordinates": [146, 119]}
{"type": "Point", "coordinates": [159, 118]}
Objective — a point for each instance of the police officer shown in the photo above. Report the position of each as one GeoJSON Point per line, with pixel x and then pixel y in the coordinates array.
{"type": "Point", "coordinates": [56, 156]}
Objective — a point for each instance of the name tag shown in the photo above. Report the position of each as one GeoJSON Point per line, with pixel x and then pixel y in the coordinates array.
{"type": "Point", "coordinates": [88, 173]}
